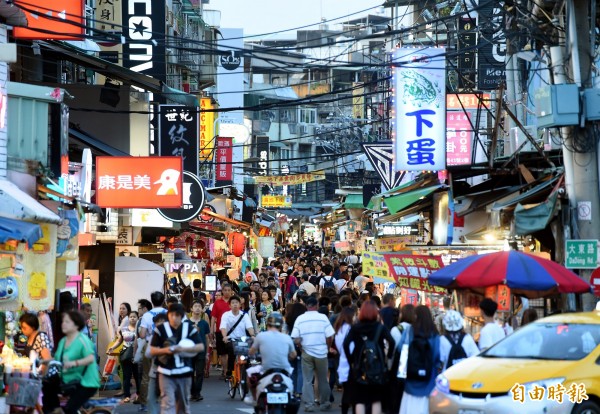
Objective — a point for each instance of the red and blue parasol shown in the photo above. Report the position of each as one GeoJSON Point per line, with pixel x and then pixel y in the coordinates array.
{"type": "Point", "coordinates": [525, 274]}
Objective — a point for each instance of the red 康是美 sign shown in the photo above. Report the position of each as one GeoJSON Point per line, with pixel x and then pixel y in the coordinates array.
{"type": "Point", "coordinates": [139, 182]}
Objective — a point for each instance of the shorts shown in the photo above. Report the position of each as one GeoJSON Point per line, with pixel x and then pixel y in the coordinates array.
{"type": "Point", "coordinates": [221, 348]}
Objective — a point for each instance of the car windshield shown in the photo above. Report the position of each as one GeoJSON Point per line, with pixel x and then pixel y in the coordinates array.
{"type": "Point", "coordinates": [553, 341]}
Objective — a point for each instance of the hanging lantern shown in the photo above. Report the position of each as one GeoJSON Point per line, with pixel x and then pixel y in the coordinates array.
{"type": "Point", "coordinates": [237, 244]}
{"type": "Point", "coordinates": [200, 244]}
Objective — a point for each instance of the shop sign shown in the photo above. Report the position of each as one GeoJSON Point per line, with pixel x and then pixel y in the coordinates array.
{"type": "Point", "coordinates": [396, 229]}
{"type": "Point", "coordinates": [224, 161]}
{"type": "Point", "coordinates": [262, 151]}
{"type": "Point", "coordinates": [390, 244]}
{"type": "Point", "coordinates": [108, 15]}
{"type": "Point", "coordinates": [412, 271]}
{"type": "Point", "coordinates": [595, 281]}
{"type": "Point", "coordinates": [187, 267]}
{"type": "Point", "coordinates": [207, 129]}
{"type": "Point", "coordinates": [178, 127]}
{"type": "Point", "coordinates": [462, 101]}
{"type": "Point", "coordinates": [194, 197]}
{"type": "Point", "coordinates": [501, 295]}
{"type": "Point", "coordinates": [297, 179]}
{"type": "Point", "coordinates": [492, 52]}
{"type": "Point", "coordinates": [459, 138]}
{"type": "Point", "coordinates": [375, 266]}
{"type": "Point", "coordinates": [276, 201]}
{"type": "Point", "coordinates": [581, 254]}
{"type": "Point", "coordinates": [139, 182]}
{"type": "Point", "coordinates": [125, 236]}
{"type": "Point", "coordinates": [52, 20]}
{"type": "Point", "coordinates": [144, 32]}
{"type": "Point", "coordinates": [342, 246]}
{"type": "Point", "coordinates": [420, 107]}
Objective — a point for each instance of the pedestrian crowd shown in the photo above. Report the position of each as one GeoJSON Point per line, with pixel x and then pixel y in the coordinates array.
{"type": "Point", "coordinates": [346, 334]}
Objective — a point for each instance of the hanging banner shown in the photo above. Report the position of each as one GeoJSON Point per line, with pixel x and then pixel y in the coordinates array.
{"type": "Point", "coordinates": [459, 138]}
{"type": "Point", "coordinates": [262, 152]}
{"type": "Point", "coordinates": [491, 66]}
{"type": "Point", "coordinates": [224, 174]}
{"type": "Point", "coordinates": [276, 201]}
{"type": "Point", "coordinates": [420, 107]}
{"type": "Point", "coordinates": [178, 126]}
{"type": "Point", "coordinates": [108, 15]}
{"type": "Point", "coordinates": [207, 129]}
{"type": "Point", "coordinates": [281, 180]}
{"type": "Point", "coordinates": [412, 271]}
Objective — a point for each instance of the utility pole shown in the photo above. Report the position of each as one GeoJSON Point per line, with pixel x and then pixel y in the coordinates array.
{"type": "Point", "coordinates": [581, 167]}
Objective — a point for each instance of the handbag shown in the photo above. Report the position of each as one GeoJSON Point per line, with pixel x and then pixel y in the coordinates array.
{"type": "Point", "coordinates": [68, 388]}
{"type": "Point", "coordinates": [126, 353]}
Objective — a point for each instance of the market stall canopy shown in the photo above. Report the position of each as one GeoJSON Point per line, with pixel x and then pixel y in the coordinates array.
{"type": "Point", "coordinates": [354, 201]}
{"type": "Point", "coordinates": [537, 193]}
{"type": "Point", "coordinates": [18, 230]}
{"type": "Point", "coordinates": [525, 274]}
{"type": "Point", "coordinates": [422, 181]}
{"type": "Point", "coordinates": [16, 204]}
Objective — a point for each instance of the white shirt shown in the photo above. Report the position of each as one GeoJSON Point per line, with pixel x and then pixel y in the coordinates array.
{"type": "Point", "coordinates": [148, 323]}
{"type": "Point", "coordinates": [361, 282]}
{"type": "Point", "coordinates": [343, 367]}
{"type": "Point", "coordinates": [339, 284]}
{"type": "Point", "coordinates": [314, 328]}
{"type": "Point", "coordinates": [490, 334]}
{"type": "Point", "coordinates": [322, 282]}
{"type": "Point", "coordinates": [468, 344]}
{"type": "Point", "coordinates": [353, 259]}
{"type": "Point", "coordinates": [229, 319]}
{"type": "Point", "coordinates": [308, 287]}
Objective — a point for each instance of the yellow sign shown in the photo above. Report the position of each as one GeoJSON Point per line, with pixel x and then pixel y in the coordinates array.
{"type": "Point", "coordinates": [392, 244]}
{"type": "Point", "coordinates": [358, 101]}
{"type": "Point", "coordinates": [276, 201]}
{"type": "Point", "coordinates": [281, 180]}
{"type": "Point", "coordinates": [374, 265]}
{"type": "Point", "coordinates": [207, 129]}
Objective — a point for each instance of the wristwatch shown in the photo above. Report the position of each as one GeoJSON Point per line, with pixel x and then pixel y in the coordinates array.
{"type": "Point", "coordinates": [172, 348]}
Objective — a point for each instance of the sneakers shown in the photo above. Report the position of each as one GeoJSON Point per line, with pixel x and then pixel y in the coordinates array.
{"type": "Point", "coordinates": [326, 406]}
{"type": "Point", "coordinates": [310, 409]}
{"type": "Point", "coordinates": [249, 400]}
{"type": "Point", "coordinates": [196, 398]}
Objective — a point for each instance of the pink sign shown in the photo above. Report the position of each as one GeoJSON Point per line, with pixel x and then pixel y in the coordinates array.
{"type": "Point", "coordinates": [459, 138]}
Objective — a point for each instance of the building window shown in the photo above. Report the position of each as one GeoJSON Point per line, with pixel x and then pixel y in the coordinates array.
{"type": "Point", "coordinates": [307, 115]}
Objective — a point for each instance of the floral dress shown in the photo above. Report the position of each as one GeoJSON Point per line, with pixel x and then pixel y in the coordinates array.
{"type": "Point", "coordinates": [266, 310]}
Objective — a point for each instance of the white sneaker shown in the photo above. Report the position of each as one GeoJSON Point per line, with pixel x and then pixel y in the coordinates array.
{"type": "Point", "coordinates": [249, 400]}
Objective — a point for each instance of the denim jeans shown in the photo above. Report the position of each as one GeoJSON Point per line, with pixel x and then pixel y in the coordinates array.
{"type": "Point", "coordinates": [152, 397]}
{"type": "Point", "coordinates": [297, 374]}
{"type": "Point", "coordinates": [310, 367]}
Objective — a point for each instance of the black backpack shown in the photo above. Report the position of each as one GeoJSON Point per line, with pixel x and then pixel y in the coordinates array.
{"type": "Point", "coordinates": [420, 359]}
{"type": "Point", "coordinates": [329, 283]}
{"type": "Point", "coordinates": [457, 352]}
{"type": "Point", "coordinates": [370, 366]}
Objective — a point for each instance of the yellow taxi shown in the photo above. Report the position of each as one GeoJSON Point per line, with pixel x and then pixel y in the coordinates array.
{"type": "Point", "coordinates": [551, 366]}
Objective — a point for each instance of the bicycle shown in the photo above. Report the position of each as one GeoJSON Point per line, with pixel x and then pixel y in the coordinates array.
{"type": "Point", "coordinates": [238, 380]}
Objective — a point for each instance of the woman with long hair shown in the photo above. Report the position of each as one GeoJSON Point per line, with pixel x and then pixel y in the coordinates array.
{"type": "Point", "coordinates": [368, 326]}
{"type": "Point", "coordinates": [124, 311]}
{"type": "Point", "coordinates": [76, 353]}
{"type": "Point", "coordinates": [416, 390]}
{"type": "Point", "coordinates": [342, 326]}
{"type": "Point", "coordinates": [127, 337]}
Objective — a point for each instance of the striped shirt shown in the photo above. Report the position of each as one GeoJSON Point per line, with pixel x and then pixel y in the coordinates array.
{"type": "Point", "coordinates": [313, 328]}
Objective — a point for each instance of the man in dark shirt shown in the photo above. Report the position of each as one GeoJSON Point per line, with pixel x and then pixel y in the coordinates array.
{"type": "Point", "coordinates": [175, 367]}
{"type": "Point", "coordinates": [389, 313]}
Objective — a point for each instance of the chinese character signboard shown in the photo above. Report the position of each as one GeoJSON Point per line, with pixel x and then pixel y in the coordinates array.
{"type": "Point", "coordinates": [281, 180]}
{"type": "Point", "coordinates": [207, 129]}
{"type": "Point", "coordinates": [262, 152]}
{"type": "Point", "coordinates": [420, 106]}
{"type": "Point", "coordinates": [459, 138]}
{"type": "Point", "coordinates": [224, 159]}
{"type": "Point", "coordinates": [178, 128]}
{"type": "Point", "coordinates": [581, 254]}
{"type": "Point", "coordinates": [492, 46]}
{"type": "Point", "coordinates": [144, 48]}
{"type": "Point", "coordinates": [139, 182]}
{"type": "Point", "coordinates": [108, 15]}
{"type": "Point", "coordinates": [374, 265]}
{"type": "Point", "coordinates": [412, 271]}
{"type": "Point", "coordinates": [276, 201]}
{"type": "Point", "coordinates": [52, 20]}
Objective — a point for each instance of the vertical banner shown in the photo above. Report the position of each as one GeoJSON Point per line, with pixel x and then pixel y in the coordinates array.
{"type": "Point", "coordinates": [358, 101]}
{"type": "Point", "coordinates": [109, 15]}
{"type": "Point", "coordinates": [420, 107]}
{"type": "Point", "coordinates": [178, 126]}
{"type": "Point", "coordinates": [262, 153]}
{"type": "Point", "coordinates": [144, 48]}
{"type": "Point", "coordinates": [224, 160]}
{"type": "Point", "coordinates": [492, 46]}
{"type": "Point", "coordinates": [467, 57]}
{"type": "Point", "coordinates": [459, 138]}
{"type": "Point", "coordinates": [207, 129]}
